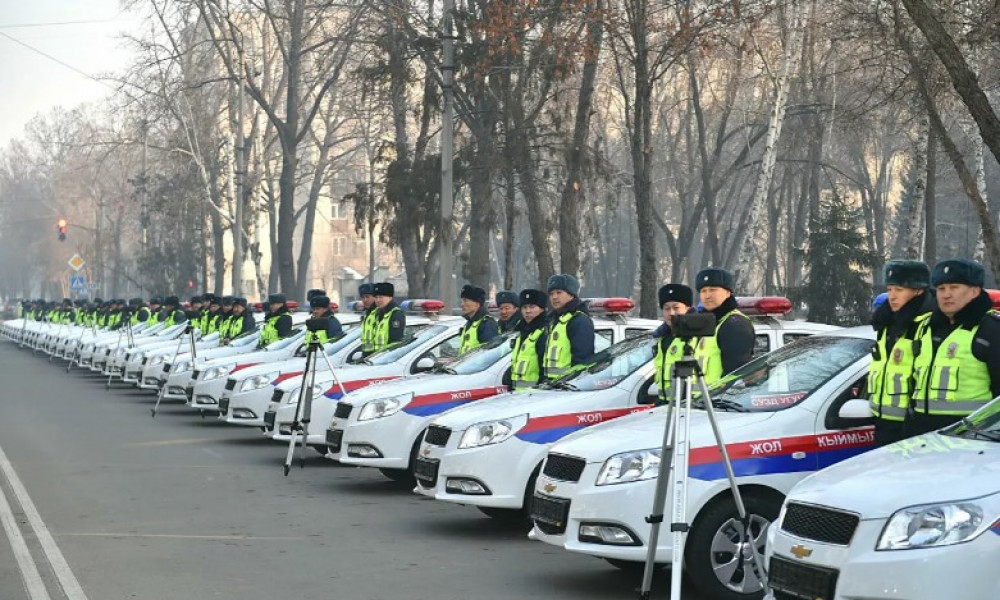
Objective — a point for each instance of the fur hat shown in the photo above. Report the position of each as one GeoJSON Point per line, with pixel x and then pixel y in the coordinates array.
{"type": "Point", "coordinates": [907, 273]}
{"type": "Point", "coordinates": [676, 292]}
{"type": "Point", "coordinates": [171, 301]}
{"type": "Point", "coordinates": [715, 277]}
{"type": "Point", "coordinates": [366, 289]}
{"type": "Point", "coordinates": [535, 297]}
{"type": "Point", "coordinates": [476, 294]}
{"type": "Point", "coordinates": [275, 299]}
{"type": "Point", "coordinates": [506, 297]}
{"type": "Point", "coordinates": [384, 289]}
{"type": "Point", "coordinates": [315, 292]}
{"type": "Point", "coordinates": [564, 282]}
{"type": "Point", "coordinates": [958, 270]}
{"type": "Point", "coordinates": [319, 302]}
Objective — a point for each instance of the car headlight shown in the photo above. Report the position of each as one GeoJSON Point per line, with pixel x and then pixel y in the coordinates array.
{"type": "Point", "coordinates": [492, 432]}
{"type": "Point", "coordinates": [156, 360]}
{"type": "Point", "coordinates": [258, 381]}
{"type": "Point", "coordinates": [120, 352]}
{"type": "Point", "coordinates": [216, 372]}
{"type": "Point", "coordinates": [292, 397]}
{"type": "Point", "coordinates": [182, 366]}
{"type": "Point", "coordinates": [627, 467]}
{"type": "Point", "coordinates": [384, 407]}
{"type": "Point", "coordinates": [942, 524]}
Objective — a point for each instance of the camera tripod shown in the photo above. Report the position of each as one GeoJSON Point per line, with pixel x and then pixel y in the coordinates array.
{"type": "Point", "coordinates": [303, 410]}
{"type": "Point", "coordinates": [126, 330]}
{"type": "Point", "coordinates": [189, 331]}
{"type": "Point", "coordinates": [674, 460]}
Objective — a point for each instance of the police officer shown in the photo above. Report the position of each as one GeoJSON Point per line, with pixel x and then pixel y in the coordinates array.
{"type": "Point", "coordinates": [529, 346]}
{"type": "Point", "coordinates": [139, 310]}
{"type": "Point", "coordinates": [957, 364]}
{"type": "Point", "coordinates": [507, 306]}
{"type": "Point", "coordinates": [570, 333]}
{"type": "Point", "coordinates": [313, 293]}
{"type": "Point", "coordinates": [155, 310]}
{"type": "Point", "coordinates": [172, 313]}
{"type": "Point", "coordinates": [675, 299]}
{"type": "Point", "coordinates": [391, 321]}
{"type": "Point", "coordinates": [242, 321]}
{"type": "Point", "coordinates": [369, 322]}
{"type": "Point", "coordinates": [319, 306]}
{"type": "Point", "coordinates": [279, 322]}
{"type": "Point", "coordinates": [732, 345]}
{"type": "Point", "coordinates": [480, 327]}
{"type": "Point", "coordinates": [194, 313]}
{"type": "Point", "coordinates": [896, 322]}
{"type": "Point", "coordinates": [211, 320]}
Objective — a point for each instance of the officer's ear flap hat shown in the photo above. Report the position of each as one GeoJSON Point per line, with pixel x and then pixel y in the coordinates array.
{"type": "Point", "coordinates": [196, 299]}
{"type": "Point", "coordinates": [229, 300]}
{"type": "Point", "coordinates": [958, 270]}
{"type": "Point", "coordinates": [315, 292]}
{"type": "Point", "coordinates": [535, 297]}
{"type": "Point", "coordinates": [276, 299]}
{"type": "Point", "coordinates": [676, 292]}
{"type": "Point", "coordinates": [384, 289]}
{"type": "Point", "coordinates": [319, 302]}
{"type": "Point", "coordinates": [907, 273]}
{"type": "Point", "coordinates": [366, 289]}
{"type": "Point", "coordinates": [715, 277]}
{"type": "Point", "coordinates": [171, 301]}
{"type": "Point", "coordinates": [476, 294]}
{"type": "Point", "coordinates": [135, 302]}
{"type": "Point", "coordinates": [506, 297]}
{"type": "Point", "coordinates": [566, 283]}
{"type": "Point", "coordinates": [241, 301]}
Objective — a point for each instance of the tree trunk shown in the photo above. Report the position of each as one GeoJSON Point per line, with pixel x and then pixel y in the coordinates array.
{"type": "Point", "coordinates": [930, 202]}
{"type": "Point", "coordinates": [218, 253]}
{"type": "Point", "coordinates": [480, 212]}
{"type": "Point", "coordinates": [573, 195]}
{"type": "Point", "coordinates": [911, 241]}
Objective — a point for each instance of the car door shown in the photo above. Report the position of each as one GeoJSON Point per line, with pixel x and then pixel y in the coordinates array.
{"type": "Point", "coordinates": [837, 438]}
{"type": "Point", "coordinates": [442, 353]}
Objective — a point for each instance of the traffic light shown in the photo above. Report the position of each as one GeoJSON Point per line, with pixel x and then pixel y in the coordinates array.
{"type": "Point", "coordinates": [62, 225]}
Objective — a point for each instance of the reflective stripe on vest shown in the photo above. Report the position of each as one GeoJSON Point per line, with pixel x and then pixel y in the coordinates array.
{"type": "Point", "coordinates": [558, 350]}
{"type": "Point", "coordinates": [382, 330]}
{"type": "Point", "coordinates": [267, 336]}
{"type": "Point", "coordinates": [320, 336]}
{"type": "Point", "coordinates": [524, 360]}
{"type": "Point", "coordinates": [950, 381]}
{"type": "Point", "coordinates": [368, 328]}
{"type": "Point", "coordinates": [470, 336]}
{"type": "Point", "coordinates": [709, 354]}
{"type": "Point", "coordinates": [890, 376]}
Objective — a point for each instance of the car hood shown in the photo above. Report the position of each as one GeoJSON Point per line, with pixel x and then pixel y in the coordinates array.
{"type": "Point", "coordinates": [644, 430]}
{"type": "Point", "coordinates": [923, 470]}
{"type": "Point", "coordinates": [433, 393]}
{"type": "Point", "coordinates": [353, 377]}
{"type": "Point", "coordinates": [535, 403]}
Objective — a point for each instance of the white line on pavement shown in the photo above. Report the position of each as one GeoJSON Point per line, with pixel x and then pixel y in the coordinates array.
{"type": "Point", "coordinates": [25, 563]}
{"type": "Point", "coordinates": [181, 536]}
{"type": "Point", "coordinates": [70, 586]}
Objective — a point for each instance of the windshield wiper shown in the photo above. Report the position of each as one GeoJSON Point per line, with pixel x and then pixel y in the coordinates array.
{"type": "Point", "coordinates": [722, 404]}
{"type": "Point", "coordinates": [565, 385]}
{"type": "Point", "coordinates": [977, 432]}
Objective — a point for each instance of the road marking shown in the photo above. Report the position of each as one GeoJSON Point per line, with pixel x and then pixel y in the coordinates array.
{"type": "Point", "coordinates": [70, 586]}
{"type": "Point", "coordinates": [213, 453]}
{"type": "Point", "coordinates": [25, 563]}
{"type": "Point", "coordinates": [179, 536]}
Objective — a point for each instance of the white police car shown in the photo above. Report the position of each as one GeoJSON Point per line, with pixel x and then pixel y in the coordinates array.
{"type": "Point", "coordinates": [385, 430]}
{"type": "Point", "coordinates": [781, 417]}
{"type": "Point", "coordinates": [917, 520]}
{"type": "Point", "coordinates": [174, 374]}
{"type": "Point", "coordinates": [423, 347]}
{"type": "Point", "coordinates": [249, 392]}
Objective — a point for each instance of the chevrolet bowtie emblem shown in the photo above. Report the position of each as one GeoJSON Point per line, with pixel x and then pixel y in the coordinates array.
{"type": "Point", "coordinates": [549, 488]}
{"type": "Point", "coordinates": [800, 551]}
{"type": "Point", "coordinates": [427, 451]}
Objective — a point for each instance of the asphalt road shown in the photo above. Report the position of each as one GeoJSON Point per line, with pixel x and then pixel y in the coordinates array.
{"type": "Point", "coordinates": [183, 507]}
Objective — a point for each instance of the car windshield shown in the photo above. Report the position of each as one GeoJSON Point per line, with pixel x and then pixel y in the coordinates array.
{"type": "Point", "coordinates": [413, 337]}
{"type": "Point", "coordinates": [171, 330]}
{"type": "Point", "coordinates": [983, 424]}
{"type": "Point", "coordinates": [331, 348]}
{"type": "Point", "coordinates": [285, 342]}
{"type": "Point", "coordinates": [482, 357]}
{"type": "Point", "coordinates": [611, 365]}
{"type": "Point", "coordinates": [246, 339]}
{"type": "Point", "coordinates": [787, 376]}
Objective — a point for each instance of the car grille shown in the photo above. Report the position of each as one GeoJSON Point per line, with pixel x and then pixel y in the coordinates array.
{"type": "Point", "coordinates": [425, 471]}
{"type": "Point", "coordinates": [437, 435]}
{"type": "Point", "coordinates": [550, 514]}
{"type": "Point", "coordinates": [797, 581]}
{"type": "Point", "coordinates": [334, 439]}
{"type": "Point", "coordinates": [564, 468]}
{"type": "Point", "coordinates": [230, 385]}
{"type": "Point", "coordinates": [269, 420]}
{"type": "Point", "coordinates": [224, 405]}
{"type": "Point", "coordinates": [343, 410]}
{"type": "Point", "coordinates": [189, 392]}
{"type": "Point", "coordinates": [166, 367]}
{"type": "Point", "coordinates": [820, 524]}
{"type": "Point", "coordinates": [144, 361]}
{"type": "Point", "coordinates": [276, 396]}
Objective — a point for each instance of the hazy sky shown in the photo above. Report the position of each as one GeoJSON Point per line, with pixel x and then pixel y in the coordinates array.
{"type": "Point", "coordinates": [31, 83]}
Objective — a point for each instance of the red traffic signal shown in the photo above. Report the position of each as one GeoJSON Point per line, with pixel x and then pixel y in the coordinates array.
{"type": "Point", "coordinates": [62, 225]}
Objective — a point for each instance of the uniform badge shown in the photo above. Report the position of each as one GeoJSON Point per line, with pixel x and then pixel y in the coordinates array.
{"type": "Point", "coordinates": [395, 323]}
{"type": "Point", "coordinates": [952, 347]}
{"type": "Point", "coordinates": [946, 269]}
{"type": "Point", "coordinates": [673, 349]}
{"type": "Point", "coordinates": [897, 355]}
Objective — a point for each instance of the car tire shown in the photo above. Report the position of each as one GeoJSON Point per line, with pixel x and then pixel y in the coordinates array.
{"type": "Point", "coordinates": [321, 448]}
{"type": "Point", "coordinates": [402, 476]}
{"type": "Point", "coordinates": [718, 566]}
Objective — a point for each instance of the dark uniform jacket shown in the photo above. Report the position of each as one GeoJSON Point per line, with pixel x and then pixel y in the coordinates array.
{"type": "Point", "coordinates": [985, 346]}
{"type": "Point", "coordinates": [512, 324]}
{"type": "Point", "coordinates": [284, 323]}
{"type": "Point", "coordinates": [397, 326]}
{"type": "Point", "coordinates": [735, 337]}
{"type": "Point", "coordinates": [579, 330]}
{"type": "Point", "coordinates": [334, 329]}
{"type": "Point", "coordinates": [488, 329]}
{"type": "Point", "coordinates": [243, 324]}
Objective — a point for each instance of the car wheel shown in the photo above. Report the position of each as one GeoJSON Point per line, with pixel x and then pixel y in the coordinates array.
{"type": "Point", "coordinates": [719, 563]}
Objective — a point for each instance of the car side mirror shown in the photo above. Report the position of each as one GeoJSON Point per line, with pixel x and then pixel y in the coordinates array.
{"type": "Point", "coordinates": [855, 409]}
{"type": "Point", "coordinates": [424, 364]}
{"type": "Point", "coordinates": [357, 356]}
{"type": "Point", "coordinates": [653, 390]}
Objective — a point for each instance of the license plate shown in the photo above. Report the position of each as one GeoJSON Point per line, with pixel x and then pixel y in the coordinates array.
{"type": "Point", "coordinates": [798, 580]}
{"type": "Point", "coordinates": [549, 510]}
{"type": "Point", "coordinates": [425, 471]}
{"type": "Point", "coordinates": [269, 420]}
{"type": "Point", "coordinates": [334, 439]}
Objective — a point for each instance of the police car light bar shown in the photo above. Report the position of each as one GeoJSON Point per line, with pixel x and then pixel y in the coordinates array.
{"type": "Point", "coordinates": [995, 298]}
{"type": "Point", "coordinates": [356, 306]}
{"type": "Point", "coordinates": [764, 305]}
{"type": "Point", "coordinates": [610, 305]}
{"type": "Point", "coordinates": [422, 306]}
